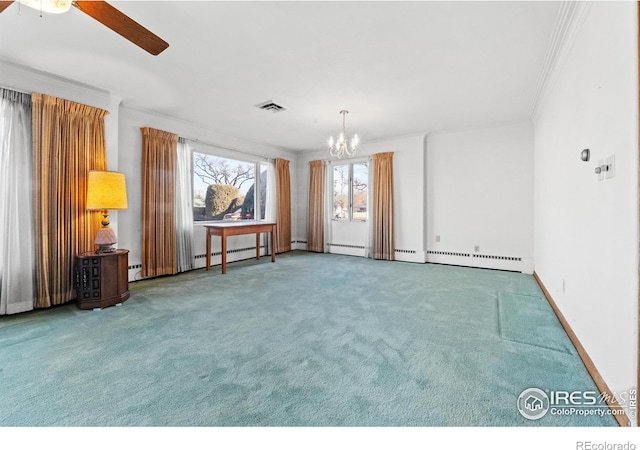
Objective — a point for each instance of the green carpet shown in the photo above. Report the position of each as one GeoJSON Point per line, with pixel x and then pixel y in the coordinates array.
{"type": "Point", "coordinates": [530, 320]}
{"type": "Point", "coordinates": [312, 340]}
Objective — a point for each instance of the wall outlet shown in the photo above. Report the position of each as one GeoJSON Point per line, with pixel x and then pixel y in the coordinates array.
{"type": "Point", "coordinates": [476, 248]}
{"type": "Point", "coordinates": [564, 286]}
{"type": "Point", "coordinates": [437, 238]}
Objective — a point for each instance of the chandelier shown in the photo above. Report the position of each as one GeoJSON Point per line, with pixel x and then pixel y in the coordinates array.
{"type": "Point", "coordinates": [48, 6]}
{"type": "Point", "coordinates": [340, 147]}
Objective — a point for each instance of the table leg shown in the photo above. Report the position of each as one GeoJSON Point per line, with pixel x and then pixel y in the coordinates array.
{"type": "Point", "coordinates": [257, 245]}
{"type": "Point", "coordinates": [224, 252]}
{"type": "Point", "coordinates": [208, 249]}
{"type": "Point", "coordinates": [273, 244]}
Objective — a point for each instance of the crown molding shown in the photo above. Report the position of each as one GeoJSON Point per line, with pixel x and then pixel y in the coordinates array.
{"type": "Point", "coordinates": [570, 18]}
{"type": "Point", "coordinates": [27, 79]}
{"type": "Point", "coordinates": [198, 132]}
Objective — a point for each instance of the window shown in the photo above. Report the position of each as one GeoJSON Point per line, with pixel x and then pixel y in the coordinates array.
{"type": "Point", "coordinates": [224, 188]}
{"type": "Point", "coordinates": [350, 191]}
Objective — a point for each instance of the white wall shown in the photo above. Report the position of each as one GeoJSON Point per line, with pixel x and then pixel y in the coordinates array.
{"type": "Point", "coordinates": [586, 241]}
{"type": "Point", "coordinates": [130, 163]}
{"type": "Point", "coordinates": [408, 161]}
{"type": "Point", "coordinates": [479, 192]}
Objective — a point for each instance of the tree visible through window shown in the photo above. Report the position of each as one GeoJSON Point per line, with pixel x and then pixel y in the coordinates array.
{"type": "Point", "coordinates": [224, 188]}
{"type": "Point", "coordinates": [350, 191]}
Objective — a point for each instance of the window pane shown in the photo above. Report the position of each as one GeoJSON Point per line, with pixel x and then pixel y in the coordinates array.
{"type": "Point", "coordinates": [263, 190]}
{"type": "Point", "coordinates": [222, 188]}
{"type": "Point", "coordinates": [341, 192]}
{"type": "Point", "coordinates": [360, 181]}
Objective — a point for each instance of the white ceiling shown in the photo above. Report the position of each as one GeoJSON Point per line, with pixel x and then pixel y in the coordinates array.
{"type": "Point", "coordinates": [400, 68]}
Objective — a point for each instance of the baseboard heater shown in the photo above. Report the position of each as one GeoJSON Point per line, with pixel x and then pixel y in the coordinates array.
{"type": "Point", "coordinates": [204, 255]}
{"type": "Point", "coordinates": [362, 247]}
{"type": "Point", "coordinates": [473, 255]}
{"type": "Point", "coordinates": [348, 246]}
{"type": "Point", "coordinates": [229, 252]}
{"type": "Point", "coordinates": [347, 249]}
{"type": "Point", "coordinates": [503, 258]}
{"type": "Point", "coordinates": [401, 254]}
{"type": "Point", "coordinates": [464, 255]}
{"type": "Point", "coordinates": [497, 262]}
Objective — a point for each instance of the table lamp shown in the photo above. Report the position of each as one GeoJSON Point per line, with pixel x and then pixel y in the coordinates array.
{"type": "Point", "coordinates": [105, 191]}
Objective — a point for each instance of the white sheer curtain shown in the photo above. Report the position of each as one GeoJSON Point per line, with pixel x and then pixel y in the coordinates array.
{"type": "Point", "coordinates": [328, 205]}
{"type": "Point", "coordinates": [270, 213]}
{"type": "Point", "coordinates": [367, 250]}
{"type": "Point", "coordinates": [17, 264]}
{"type": "Point", "coordinates": [184, 207]}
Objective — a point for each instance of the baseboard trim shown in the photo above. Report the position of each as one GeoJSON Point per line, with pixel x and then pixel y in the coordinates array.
{"type": "Point", "coordinates": [619, 413]}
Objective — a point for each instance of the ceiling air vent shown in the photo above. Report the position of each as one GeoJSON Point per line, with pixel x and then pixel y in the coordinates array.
{"type": "Point", "coordinates": [272, 106]}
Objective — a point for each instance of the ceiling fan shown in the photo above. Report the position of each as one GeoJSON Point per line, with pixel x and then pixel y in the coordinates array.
{"type": "Point", "coordinates": [107, 15]}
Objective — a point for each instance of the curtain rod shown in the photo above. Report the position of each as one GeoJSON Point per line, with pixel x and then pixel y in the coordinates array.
{"type": "Point", "coordinates": [198, 141]}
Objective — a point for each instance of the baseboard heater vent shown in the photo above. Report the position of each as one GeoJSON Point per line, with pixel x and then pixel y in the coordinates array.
{"type": "Point", "coordinates": [347, 246]}
{"type": "Point", "coordinates": [412, 252]}
{"type": "Point", "coordinates": [432, 252]}
{"type": "Point", "coordinates": [503, 258]}
{"type": "Point", "coordinates": [236, 250]}
{"type": "Point", "coordinates": [136, 266]}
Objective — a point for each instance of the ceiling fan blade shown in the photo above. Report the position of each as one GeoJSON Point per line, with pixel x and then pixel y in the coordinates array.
{"type": "Point", "coordinates": [4, 5]}
{"type": "Point", "coordinates": [123, 25]}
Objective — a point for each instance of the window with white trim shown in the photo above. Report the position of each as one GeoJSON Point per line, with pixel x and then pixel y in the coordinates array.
{"type": "Point", "coordinates": [225, 188]}
{"type": "Point", "coordinates": [350, 191]}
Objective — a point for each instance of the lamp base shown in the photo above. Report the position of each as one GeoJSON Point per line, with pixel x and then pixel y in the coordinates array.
{"type": "Point", "coordinates": [105, 240]}
{"type": "Point", "coordinates": [105, 249]}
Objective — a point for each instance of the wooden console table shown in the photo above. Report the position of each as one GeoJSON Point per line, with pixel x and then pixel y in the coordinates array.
{"type": "Point", "coordinates": [224, 229]}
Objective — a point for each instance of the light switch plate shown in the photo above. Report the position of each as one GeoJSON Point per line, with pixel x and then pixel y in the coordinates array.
{"type": "Point", "coordinates": [611, 163]}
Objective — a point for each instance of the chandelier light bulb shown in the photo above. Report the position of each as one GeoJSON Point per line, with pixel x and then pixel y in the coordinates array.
{"type": "Point", "coordinates": [341, 147]}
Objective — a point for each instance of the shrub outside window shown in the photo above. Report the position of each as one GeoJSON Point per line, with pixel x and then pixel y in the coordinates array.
{"type": "Point", "coordinates": [224, 188]}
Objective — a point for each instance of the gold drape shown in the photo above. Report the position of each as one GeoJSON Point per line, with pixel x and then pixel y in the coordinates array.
{"type": "Point", "coordinates": [68, 142]}
{"type": "Point", "coordinates": [283, 206]}
{"type": "Point", "coordinates": [159, 153]}
{"type": "Point", "coordinates": [382, 244]}
{"type": "Point", "coordinates": [315, 224]}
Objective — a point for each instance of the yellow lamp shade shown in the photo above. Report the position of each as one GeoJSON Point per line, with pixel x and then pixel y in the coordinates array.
{"type": "Point", "coordinates": [106, 190]}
